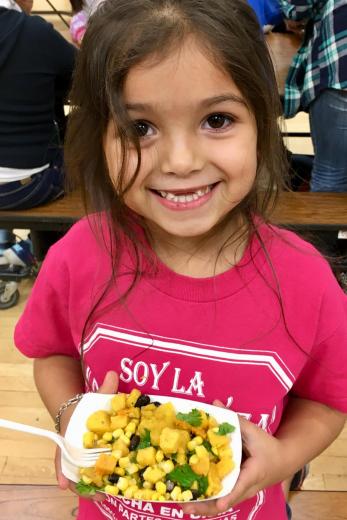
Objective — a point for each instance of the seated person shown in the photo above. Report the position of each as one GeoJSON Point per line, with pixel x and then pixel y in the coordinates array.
{"type": "Point", "coordinates": [36, 65]}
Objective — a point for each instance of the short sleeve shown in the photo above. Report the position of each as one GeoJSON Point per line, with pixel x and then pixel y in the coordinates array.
{"type": "Point", "coordinates": [324, 376]}
{"type": "Point", "coordinates": [44, 329]}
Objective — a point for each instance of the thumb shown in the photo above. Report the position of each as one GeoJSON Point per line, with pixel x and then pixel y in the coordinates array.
{"type": "Point", "coordinates": [110, 383]}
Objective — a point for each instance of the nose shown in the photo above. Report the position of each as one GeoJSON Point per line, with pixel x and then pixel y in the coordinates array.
{"type": "Point", "coordinates": [181, 155]}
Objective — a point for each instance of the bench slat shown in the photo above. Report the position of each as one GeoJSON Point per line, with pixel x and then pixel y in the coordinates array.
{"type": "Point", "coordinates": [300, 210]}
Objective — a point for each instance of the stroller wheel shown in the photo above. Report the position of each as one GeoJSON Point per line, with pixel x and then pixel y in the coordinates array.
{"type": "Point", "coordinates": [9, 294]}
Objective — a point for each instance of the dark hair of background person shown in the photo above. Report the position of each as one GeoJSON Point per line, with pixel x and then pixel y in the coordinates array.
{"type": "Point", "coordinates": [77, 5]}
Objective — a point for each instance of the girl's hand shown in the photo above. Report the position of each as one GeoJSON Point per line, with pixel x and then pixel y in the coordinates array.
{"type": "Point", "coordinates": [109, 386]}
{"type": "Point", "coordinates": [262, 468]}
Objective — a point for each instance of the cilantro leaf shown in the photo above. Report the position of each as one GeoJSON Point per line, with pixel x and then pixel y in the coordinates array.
{"type": "Point", "coordinates": [203, 484]}
{"type": "Point", "coordinates": [207, 445]}
{"type": "Point", "coordinates": [225, 428]}
{"type": "Point", "coordinates": [183, 475]}
{"type": "Point", "coordinates": [193, 418]}
{"type": "Point", "coordinates": [145, 441]}
{"type": "Point", "coordinates": [86, 489]}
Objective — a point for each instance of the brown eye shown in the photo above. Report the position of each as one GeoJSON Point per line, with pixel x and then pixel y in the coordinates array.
{"type": "Point", "coordinates": [141, 128]}
{"type": "Point", "coordinates": [218, 121]}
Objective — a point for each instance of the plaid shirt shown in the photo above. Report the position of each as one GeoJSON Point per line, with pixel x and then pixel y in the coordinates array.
{"type": "Point", "coordinates": [321, 61]}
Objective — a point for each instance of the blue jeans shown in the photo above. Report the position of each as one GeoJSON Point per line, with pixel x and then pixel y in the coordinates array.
{"type": "Point", "coordinates": [43, 187]}
{"type": "Point", "coordinates": [328, 121]}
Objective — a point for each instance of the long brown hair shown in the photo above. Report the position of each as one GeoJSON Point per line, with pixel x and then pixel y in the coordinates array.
{"type": "Point", "coordinates": [123, 33]}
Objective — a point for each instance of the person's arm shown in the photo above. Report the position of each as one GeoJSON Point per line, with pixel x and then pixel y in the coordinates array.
{"type": "Point", "coordinates": [298, 9]}
{"type": "Point", "coordinates": [307, 428]}
{"type": "Point", "coordinates": [58, 378]}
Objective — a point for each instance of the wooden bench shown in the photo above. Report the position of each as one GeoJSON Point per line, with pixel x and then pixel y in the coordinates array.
{"type": "Point", "coordinates": [303, 211]}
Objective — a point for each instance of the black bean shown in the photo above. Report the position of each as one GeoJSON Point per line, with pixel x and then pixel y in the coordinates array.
{"type": "Point", "coordinates": [113, 478]}
{"type": "Point", "coordinates": [143, 400]}
{"type": "Point", "coordinates": [169, 485]}
{"type": "Point", "coordinates": [195, 494]}
{"type": "Point", "coordinates": [141, 472]}
{"type": "Point", "coordinates": [156, 403]}
{"type": "Point", "coordinates": [134, 442]}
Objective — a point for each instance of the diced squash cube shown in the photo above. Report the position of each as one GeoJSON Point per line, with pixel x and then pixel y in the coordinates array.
{"type": "Point", "coordinates": [202, 466]}
{"type": "Point", "coordinates": [153, 475]}
{"type": "Point", "coordinates": [118, 421]}
{"type": "Point", "coordinates": [224, 466]}
{"type": "Point", "coordinates": [132, 397]}
{"type": "Point", "coordinates": [146, 456]}
{"type": "Point", "coordinates": [99, 422]}
{"type": "Point", "coordinates": [173, 440]}
{"type": "Point", "coordinates": [214, 483]}
{"type": "Point", "coordinates": [105, 465]}
{"type": "Point", "coordinates": [216, 440]}
{"type": "Point", "coordinates": [118, 402]}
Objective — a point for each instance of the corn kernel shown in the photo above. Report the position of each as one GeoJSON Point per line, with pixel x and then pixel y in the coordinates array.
{"type": "Point", "coordinates": [161, 498]}
{"type": "Point", "coordinates": [86, 479]}
{"type": "Point", "coordinates": [117, 454]}
{"type": "Point", "coordinates": [123, 462]}
{"type": "Point", "coordinates": [131, 427]}
{"type": "Point", "coordinates": [191, 445]}
{"type": "Point", "coordinates": [125, 439]}
{"type": "Point", "coordinates": [161, 488]}
{"type": "Point", "coordinates": [102, 444]}
{"type": "Point", "coordinates": [122, 483]}
{"type": "Point", "coordinates": [132, 468]}
{"type": "Point", "coordinates": [130, 491]}
{"type": "Point", "coordinates": [215, 451]}
{"type": "Point", "coordinates": [147, 485]}
{"type": "Point", "coordinates": [186, 495]}
{"type": "Point", "coordinates": [181, 458]}
{"type": "Point", "coordinates": [201, 451]}
{"type": "Point", "coordinates": [129, 434]}
{"type": "Point", "coordinates": [119, 471]}
{"type": "Point", "coordinates": [88, 440]}
{"type": "Point", "coordinates": [167, 466]}
{"type": "Point", "coordinates": [175, 493]}
{"type": "Point", "coordinates": [147, 494]}
{"type": "Point", "coordinates": [107, 436]}
{"type": "Point", "coordinates": [117, 433]}
{"type": "Point", "coordinates": [159, 456]}
{"type": "Point", "coordinates": [139, 494]}
{"type": "Point", "coordinates": [111, 490]}
{"type": "Point", "coordinates": [215, 430]}
{"type": "Point", "coordinates": [155, 495]}
{"type": "Point", "coordinates": [194, 459]}
{"type": "Point", "coordinates": [198, 440]}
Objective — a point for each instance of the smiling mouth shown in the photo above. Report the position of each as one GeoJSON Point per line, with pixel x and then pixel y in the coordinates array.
{"type": "Point", "coordinates": [182, 196]}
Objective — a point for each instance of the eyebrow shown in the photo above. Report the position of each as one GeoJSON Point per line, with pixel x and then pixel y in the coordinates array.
{"type": "Point", "coordinates": [205, 103]}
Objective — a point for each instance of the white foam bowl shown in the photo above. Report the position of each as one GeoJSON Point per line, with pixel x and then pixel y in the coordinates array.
{"type": "Point", "coordinates": [93, 402]}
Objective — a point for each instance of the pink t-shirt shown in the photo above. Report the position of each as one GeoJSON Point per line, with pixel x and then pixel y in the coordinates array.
{"type": "Point", "coordinates": [204, 339]}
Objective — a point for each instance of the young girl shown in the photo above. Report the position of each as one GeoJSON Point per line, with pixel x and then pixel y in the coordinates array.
{"type": "Point", "coordinates": [177, 281]}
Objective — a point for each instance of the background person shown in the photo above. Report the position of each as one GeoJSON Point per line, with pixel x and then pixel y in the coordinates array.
{"type": "Point", "coordinates": [36, 65]}
{"type": "Point", "coordinates": [317, 84]}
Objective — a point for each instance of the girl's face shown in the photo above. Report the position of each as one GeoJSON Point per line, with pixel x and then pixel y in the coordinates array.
{"type": "Point", "coordinates": [198, 142]}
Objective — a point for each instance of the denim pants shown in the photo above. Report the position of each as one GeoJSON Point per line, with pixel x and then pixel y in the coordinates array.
{"type": "Point", "coordinates": [41, 188]}
{"type": "Point", "coordinates": [328, 121]}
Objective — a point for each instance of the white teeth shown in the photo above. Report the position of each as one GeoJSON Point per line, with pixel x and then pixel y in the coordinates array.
{"type": "Point", "coordinates": [185, 198]}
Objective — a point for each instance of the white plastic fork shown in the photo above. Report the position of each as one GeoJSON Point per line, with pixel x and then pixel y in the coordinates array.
{"type": "Point", "coordinates": [81, 457]}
